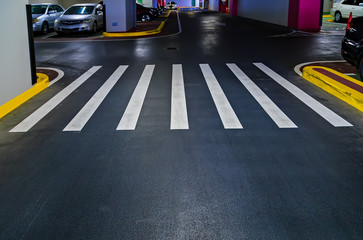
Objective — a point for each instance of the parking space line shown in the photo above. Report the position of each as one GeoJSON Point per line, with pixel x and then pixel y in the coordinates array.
{"type": "Point", "coordinates": [81, 119]}
{"type": "Point", "coordinates": [41, 112]}
{"type": "Point", "coordinates": [319, 108]}
{"type": "Point", "coordinates": [179, 114]}
{"type": "Point", "coordinates": [279, 117]}
{"type": "Point", "coordinates": [133, 109]}
{"type": "Point", "coordinates": [225, 110]}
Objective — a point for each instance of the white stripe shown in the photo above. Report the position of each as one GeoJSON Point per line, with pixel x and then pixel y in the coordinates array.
{"type": "Point", "coordinates": [225, 110]}
{"type": "Point", "coordinates": [132, 112]}
{"type": "Point", "coordinates": [319, 108]}
{"type": "Point", "coordinates": [80, 120]}
{"type": "Point", "coordinates": [41, 112]}
{"type": "Point", "coordinates": [266, 103]}
{"type": "Point", "coordinates": [179, 114]}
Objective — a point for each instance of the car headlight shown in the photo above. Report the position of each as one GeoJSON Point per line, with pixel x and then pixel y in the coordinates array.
{"type": "Point", "coordinates": [87, 21]}
{"type": "Point", "coordinates": [35, 20]}
{"type": "Point", "coordinates": [56, 21]}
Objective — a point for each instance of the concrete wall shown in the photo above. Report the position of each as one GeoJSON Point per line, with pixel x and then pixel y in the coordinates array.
{"type": "Point", "coordinates": [328, 4]}
{"type": "Point", "coordinates": [15, 77]}
{"type": "Point", "coordinates": [67, 3]}
{"type": "Point", "coordinates": [64, 3]}
{"type": "Point", "coordinates": [276, 11]}
{"type": "Point", "coordinates": [214, 5]}
{"type": "Point", "coordinates": [43, 1]}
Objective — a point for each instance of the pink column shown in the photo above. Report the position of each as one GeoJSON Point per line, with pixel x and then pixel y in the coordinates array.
{"type": "Point", "coordinates": [304, 15]}
{"type": "Point", "coordinates": [233, 11]}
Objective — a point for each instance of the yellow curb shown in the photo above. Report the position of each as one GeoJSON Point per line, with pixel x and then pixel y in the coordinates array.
{"type": "Point", "coordinates": [136, 34]}
{"type": "Point", "coordinates": [330, 20]}
{"type": "Point", "coordinates": [327, 16]}
{"type": "Point", "coordinates": [335, 88]}
{"type": "Point", "coordinates": [42, 83]}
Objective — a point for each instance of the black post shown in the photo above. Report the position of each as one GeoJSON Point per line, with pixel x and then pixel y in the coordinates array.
{"type": "Point", "coordinates": [321, 12]}
{"type": "Point", "coordinates": [31, 43]}
{"type": "Point", "coordinates": [104, 18]}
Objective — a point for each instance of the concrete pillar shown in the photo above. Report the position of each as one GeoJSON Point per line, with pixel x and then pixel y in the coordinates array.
{"type": "Point", "coordinates": [120, 15]}
{"type": "Point", "coordinates": [15, 69]}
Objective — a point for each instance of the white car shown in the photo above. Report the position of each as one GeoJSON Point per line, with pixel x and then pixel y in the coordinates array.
{"type": "Point", "coordinates": [171, 6]}
{"type": "Point", "coordinates": [343, 8]}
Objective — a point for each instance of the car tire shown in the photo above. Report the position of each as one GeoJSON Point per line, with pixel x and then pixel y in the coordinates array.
{"type": "Point", "coordinates": [94, 27]}
{"type": "Point", "coordinates": [337, 17]}
{"type": "Point", "coordinates": [45, 28]}
{"type": "Point", "coordinates": [145, 17]}
{"type": "Point", "coordinates": [361, 69]}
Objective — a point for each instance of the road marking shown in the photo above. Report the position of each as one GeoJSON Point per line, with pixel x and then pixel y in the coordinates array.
{"type": "Point", "coordinates": [81, 119]}
{"type": "Point", "coordinates": [266, 103]}
{"type": "Point", "coordinates": [179, 114]}
{"type": "Point", "coordinates": [225, 110]}
{"type": "Point", "coordinates": [132, 112]}
{"type": "Point", "coordinates": [49, 35]}
{"type": "Point", "coordinates": [319, 108]}
{"type": "Point", "coordinates": [41, 112]}
{"type": "Point", "coordinates": [298, 67]}
{"type": "Point", "coordinates": [59, 77]}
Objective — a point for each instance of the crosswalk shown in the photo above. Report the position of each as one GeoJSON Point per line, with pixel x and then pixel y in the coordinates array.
{"type": "Point", "coordinates": [179, 119]}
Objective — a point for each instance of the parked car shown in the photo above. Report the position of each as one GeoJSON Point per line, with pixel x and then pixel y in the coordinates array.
{"type": "Point", "coordinates": [87, 17]}
{"type": "Point", "coordinates": [343, 8]}
{"type": "Point", "coordinates": [171, 5]}
{"type": "Point", "coordinates": [352, 44]}
{"type": "Point", "coordinates": [145, 14]}
{"type": "Point", "coordinates": [44, 16]}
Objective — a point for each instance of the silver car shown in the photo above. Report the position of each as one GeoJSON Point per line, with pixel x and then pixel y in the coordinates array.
{"type": "Point", "coordinates": [44, 16]}
{"type": "Point", "coordinates": [86, 17]}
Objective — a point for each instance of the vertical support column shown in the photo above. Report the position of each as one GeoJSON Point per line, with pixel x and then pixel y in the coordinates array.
{"type": "Point", "coordinates": [233, 8]}
{"type": "Point", "coordinates": [15, 65]}
{"type": "Point", "coordinates": [305, 15]}
{"type": "Point", "coordinates": [120, 15]}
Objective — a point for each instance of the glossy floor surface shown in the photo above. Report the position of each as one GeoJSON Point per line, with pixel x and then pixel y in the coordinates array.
{"type": "Point", "coordinates": [161, 139]}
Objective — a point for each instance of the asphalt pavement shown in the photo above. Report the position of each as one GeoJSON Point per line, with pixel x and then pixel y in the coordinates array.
{"type": "Point", "coordinates": [205, 134]}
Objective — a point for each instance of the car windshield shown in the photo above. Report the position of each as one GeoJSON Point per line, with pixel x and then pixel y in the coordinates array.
{"type": "Point", "coordinates": [39, 9]}
{"type": "Point", "coordinates": [79, 10]}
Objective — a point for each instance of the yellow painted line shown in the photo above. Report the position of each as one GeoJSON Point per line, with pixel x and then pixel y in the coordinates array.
{"type": "Point", "coordinates": [330, 20]}
{"type": "Point", "coordinates": [42, 83]}
{"type": "Point", "coordinates": [327, 16]}
{"type": "Point", "coordinates": [165, 15]}
{"type": "Point", "coordinates": [335, 88]}
{"type": "Point", "coordinates": [136, 34]}
{"type": "Point", "coordinates": [191, 7]}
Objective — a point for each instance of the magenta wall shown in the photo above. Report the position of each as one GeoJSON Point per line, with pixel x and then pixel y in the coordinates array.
{"type": "Point", "coordinates": [304, 14]}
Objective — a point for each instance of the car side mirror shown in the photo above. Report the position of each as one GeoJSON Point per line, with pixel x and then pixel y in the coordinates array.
{"type": "Point", "coordinates": [99, 12]}
{"type": "Point", "coordinates": [52, 11]}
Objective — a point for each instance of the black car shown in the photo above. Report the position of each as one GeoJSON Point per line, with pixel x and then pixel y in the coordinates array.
{"type": "Point", "coordinates": [144, 13]}
{"type": "Point", "coordinates": [352, 44]}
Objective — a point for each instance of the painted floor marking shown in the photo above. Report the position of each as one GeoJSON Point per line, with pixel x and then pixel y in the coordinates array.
{"type": "Point", "coordinates": [319, 108]}
{"type": "Point", "coordinates": [41, 112]}
{"type": "Point", "coordinates": [81, 119]}
{"type": "Point", "coordinates": [266, 103]}
{"type": "Point", "coordinates": [225, 110]}
{"type": "Point", "coordinates": [179, 114]}
{"type": "Point", "coordinates": [59, 77]}
{"type": "Point", "coordinates": [132, 112]}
